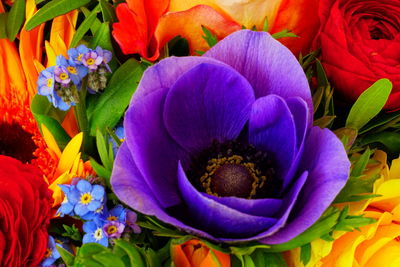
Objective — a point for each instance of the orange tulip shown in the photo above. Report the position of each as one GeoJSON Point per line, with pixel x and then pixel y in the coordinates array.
{"type": "Point", "coordinates": [194, 253]}
{"type": "Point", "coordinates": [144, 27]}
{"type": "Point", "coordinates": [298, 16]}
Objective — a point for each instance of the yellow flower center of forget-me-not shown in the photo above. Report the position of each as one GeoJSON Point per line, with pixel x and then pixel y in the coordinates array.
{"type": "Point", "coordinates": [111, 230]}
{"type": "Point", "coordinates": [80, 57]}
{"type": "Point", "coordinates": [49, 82]}
{"type": "Point", "coordinates": [71, 69]}
{"type": "Point", "coordinates": [63, 76]}
{"type": "Point", "coordinates": [111, 218]}
{"type": "Point", "coordinates": [86, 198]}
{"type": "Point", "coordinates": [48, 253]}
{"type": "Point", "coordinates": [90, 61]}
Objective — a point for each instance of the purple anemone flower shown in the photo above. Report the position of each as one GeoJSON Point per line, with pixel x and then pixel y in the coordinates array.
{"type": "Point", "coordinates": [222, 146]}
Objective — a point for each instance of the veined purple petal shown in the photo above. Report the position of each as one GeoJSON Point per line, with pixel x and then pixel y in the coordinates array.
{"type": "Point", "coordinates": [155, 153]}
{"type": "Point", "coordinates": [130, 187]}
{"type": "Point", "coordinates": [208, 102]}
{"type": "Point", "coordinates": [268, 65]}
{"type": "Point", "coordinates": [326, 160]}
{"type": "Point", "coordinates": [214, 217]}
{"type": "Point", "coordinates": [267, 207]}
{"type": "Point", "coordinates": [272, 129]}
{"type": "Point", "coordinates": [165, 73]}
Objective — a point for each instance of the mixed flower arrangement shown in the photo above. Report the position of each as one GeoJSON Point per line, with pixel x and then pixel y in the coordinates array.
{"type": "Point", "coordinates": [199, 133]}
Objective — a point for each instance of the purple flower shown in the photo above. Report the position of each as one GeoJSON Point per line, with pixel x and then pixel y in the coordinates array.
{"type": "Point", "coordinates": [76, 54]}
{"type": "Point", "coordinates": [222, 146]}
{"type": "Point", "coordinates": [92, 60]}
{"type": "Point", "coordinates": [46, 81]}
{"type": "Point", "coordinates": [76, 72]}
{"type": "Point", "coordinates": [62, 75]}
{"type": "Point", "coordinates": [113, 229]}
{"type": "Point", "coordinates": [131, 219]}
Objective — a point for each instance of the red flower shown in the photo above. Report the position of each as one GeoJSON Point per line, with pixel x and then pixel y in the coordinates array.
{"type": "Point", "coordinates": [25, 204]}
{"type": "Point", "coordinates": [360, 43]}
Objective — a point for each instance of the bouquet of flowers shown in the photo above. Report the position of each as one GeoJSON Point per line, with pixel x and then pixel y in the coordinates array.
{"type": "Point", "coordinates": [199, 133]}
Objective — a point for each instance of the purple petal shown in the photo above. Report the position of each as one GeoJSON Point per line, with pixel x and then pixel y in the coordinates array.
{"type": "Point", "coordinates": [208, 102]}
{"type": "Point", "coordinates": [267, 207]}
{"type": "Point", "coordinates": [216, 218]}
{"type": "Point", "coordinates": [326, 160]}
{"type": "Point", "coordinates": [155, 153]}
{"type": "Point", "coordinates": [272, 129]}
{"type": "Point", "coordinates": [165, 73]}
{"type": "Point", "coordinates": [268, 65]}
{"type": "Point", "coordinates": [130, 187]}
{"type": "Point", "coordinates": [299, 110]}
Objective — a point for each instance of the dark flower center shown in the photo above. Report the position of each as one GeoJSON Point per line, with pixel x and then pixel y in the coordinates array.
{"type": "Point", "coordinates": [16, 142]}
{"type": "Point", "coordinates": [378, 30]}
{"type": "Point", "coordinates": [232, 169]}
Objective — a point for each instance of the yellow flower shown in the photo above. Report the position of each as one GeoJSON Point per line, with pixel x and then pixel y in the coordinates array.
{"type": "Point", "coordinates": [68, 163]}
{"type": "Point", "coordinates": [376, 244]}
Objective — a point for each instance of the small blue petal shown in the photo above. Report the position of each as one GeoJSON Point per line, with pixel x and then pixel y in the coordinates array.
{"type": "Point", "coordinates": [98, 192]}
{"type": "Point", "coordinates": [84, 186]}
{"type": "Point", "coordinates": [80, 209]}
{"type": "Point", "coordinates": [89, 227]}
{"type": "Point", "coordinates": [94, 205]}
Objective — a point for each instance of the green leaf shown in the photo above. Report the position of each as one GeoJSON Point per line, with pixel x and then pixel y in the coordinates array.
{"type": "Point", "coordinates": [248, 261]}
{"type": "Point", "coordinates": [54, 9]}
{"type": "Point", "coordinates": [66, 256]}
{"type": "Point", "coordinates": [44, 113]}
{"type": "Point", "coordinates": [391, 140]}
{"type": "Point", "coordinates": [102, 149]}
{"type": "Point", "coordinates": [209, 37]}
{"type": "Point", "coordinates": [90, 249]}
{"type": "Point", "coordinates": [150, 257]}
{"type": "Point", "coordinates": [15, 19]}
{"type": "Point", "coordinates": [3, 25]}
{"type": "Point", "coordinates": [263, 258]}
{"type": "Point", "coordinates": [384, 120]}
{"type": "Point", "coordinates": [135, 258]}
{"type": "Point", "coordinates": [109, 259]}
{"type": "Point", "coordinates": [72, 232]}
{"type": "Point", "coordinates": [305, 253]}
{"type": "Point", "coordinates": [111, 105]}
{"type": "Point", "coordinates": [283, 34]}
{"type": "Point", "coordinates": [85, 26]}
{"type": "Point", "coordinates": [96, 24]}
{"type": "Point", "coordinates": [369, 104]}
{"type": "Point", "coordinates": [108, 11]}
{"type": "Point", "coordinates": [361, 163]}
{"type": "Point", "coordinates": [101, 171]}
{"type": "Point", "coordinates": [265, 25]}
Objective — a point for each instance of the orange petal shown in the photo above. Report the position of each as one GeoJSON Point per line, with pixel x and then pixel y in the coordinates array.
{"type": "Point", "coordinates": [188, 25]}
{"type": "Point", "coordinates": [178, 256]}
{"type": "Point", "coordinates": [301, 17]}
{"type": "Point", "coordinates": [138, 20]}
{"type": "Point", "coordinates": [69, 123]}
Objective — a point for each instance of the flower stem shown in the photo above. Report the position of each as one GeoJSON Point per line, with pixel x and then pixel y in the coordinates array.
{"type": "Point", "coordinates": [81, 116]}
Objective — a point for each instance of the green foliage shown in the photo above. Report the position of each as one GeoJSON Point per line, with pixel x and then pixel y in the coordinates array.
{"type": "Point", "coordinates": [66, 256]}
{"type": "Point", "coordinates": [305, 253]}
{"type": "Point", "coordinates": [3, 25]}
{"type": "Point", "coordinates": [85, 26]}
{"type": "Point", "coordinates": [109, 107]}
{"type": "Point", "coordinates": [390, 140]}
{"type": "Point", "coordinates": [107, 11]}
{"type": "Point", "coordinates": [72, 232]}
{"type": "Point", "coordinates": [15, 19]}
{"type": "Point", "coordinates": [54, 9]}
{"type": "Point", "coordinates": [106, 154]}
{"type": "Point", "coordinates": [358, 187]}
{"type": "Point", "coordinates": [283, 34]}
{"type": "Point", "coordinates": [209, 37]}
{"type": "Point", "coordinates": [102, 38]}
{"type": "Point", "coordinates": [369, 104]}
{"type": "Point", "coordinates": [45, 113]}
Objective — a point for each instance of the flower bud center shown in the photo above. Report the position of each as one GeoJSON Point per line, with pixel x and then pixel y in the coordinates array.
{"type": "Point", "coordinates": [90, 61]}
{"type": "Point", "coordinates": [111, 229]}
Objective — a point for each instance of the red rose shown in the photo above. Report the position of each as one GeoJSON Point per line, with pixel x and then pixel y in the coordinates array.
{"type": "Point", "coordinates": [25, 204]}
{"type": "Point", "coordinates": [360, 43]}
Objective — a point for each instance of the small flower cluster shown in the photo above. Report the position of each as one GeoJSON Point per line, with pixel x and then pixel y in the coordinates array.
{"type": "Point", "coordinates": [89, 203]}
{"type": "Point", "coordinates": [61, 83]}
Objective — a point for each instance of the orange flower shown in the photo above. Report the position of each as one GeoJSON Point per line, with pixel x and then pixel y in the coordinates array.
{"type": "Point", "coordinates": [194, 253]}
{"type": "Point", "coordinates": [144, 27]}
{"type": "Point", "coordinates": [299, 16]}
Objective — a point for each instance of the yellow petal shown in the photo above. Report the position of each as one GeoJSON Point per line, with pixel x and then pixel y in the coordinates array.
{"type": "Point", "coordinates": [69, 154]}
{"type": "Point", "coordinates": [58, 194]}
{"type": "Point", "coordinates": [50, 141]}
{"type": "Point", "coordinates": [388, 256]}
{"type": "Point", "coordinates": [390, 191]}
{"type": "Point", "coordinates": [51, 55]}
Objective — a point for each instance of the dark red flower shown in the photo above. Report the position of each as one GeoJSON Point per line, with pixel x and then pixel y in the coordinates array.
{"type": "Point", "coordinates": [25, 211]}
{"type": "Point", "coordinates": [360, 43]}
